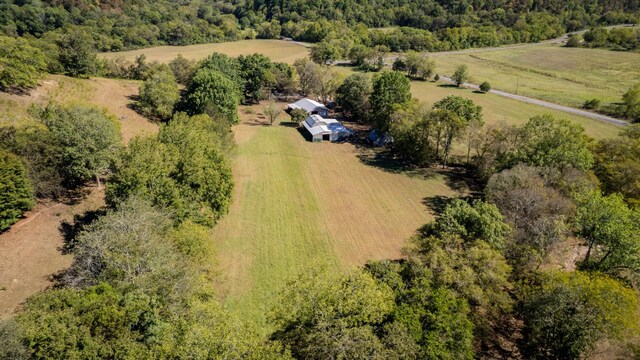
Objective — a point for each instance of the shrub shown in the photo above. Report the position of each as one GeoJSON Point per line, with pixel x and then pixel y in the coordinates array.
{"type": "Point", "coordinates": [485, 87]}
{"type": "Point", "coordinates": [591, 104]}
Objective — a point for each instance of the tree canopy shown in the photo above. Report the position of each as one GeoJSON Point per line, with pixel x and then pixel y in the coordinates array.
{"type": "Point", "coordinates": [16, 193]}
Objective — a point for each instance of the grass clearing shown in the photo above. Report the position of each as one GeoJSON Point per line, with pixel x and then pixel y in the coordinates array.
{"type": "Point", "coordinates": [567, 76]}
{"type": "Point", "coordinates": [298, 204]}
{"type": "Point", "coordinates": [277, 50]}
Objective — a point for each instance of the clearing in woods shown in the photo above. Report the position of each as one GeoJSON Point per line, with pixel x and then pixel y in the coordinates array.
{"type": "Point", "coordinates": [298, 204]}
{"type": "Point", "coordinates": [566, 76]}
{"type": "Point", "coordinates": [31, 251]}
{"type": "Point", "coordinates": [277, 50]}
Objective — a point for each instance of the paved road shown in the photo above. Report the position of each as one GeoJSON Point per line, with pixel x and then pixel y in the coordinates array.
{"type": "Point", "coordinates": [567, 109]}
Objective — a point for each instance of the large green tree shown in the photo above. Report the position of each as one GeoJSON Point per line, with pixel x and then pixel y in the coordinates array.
{"type": "Point", "coordinates": [89, 138]}
{"type": "Point", "coordinates": [324, 53]}
{"type": "Point", "coordinates": [184, 169]}
{"type": "Point", "coordinates": [612, 232]}
{"type": "Point", "coordinates": [617, 164]}
{"type": "Point", "coordinates": [16, 193]}
{"type": "Point", "coordinates": [77, 54]}
{"type": "Point", "coordinates": [353, 96]}
{"type": "Point", "coordinates": [21, 65]}
{"type": "Point", "coordinates": [256, 71]}
{"type": "Point", "coordinates": [547, 141]}
{"type": "Point", "coordinates": [159, 94]}
{"type": "Point", "coordinates": [391, 89]}
{"type": "Point", "coordinates": [213, 93]}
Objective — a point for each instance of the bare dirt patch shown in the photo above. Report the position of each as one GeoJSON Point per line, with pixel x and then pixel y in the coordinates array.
{"type": "Point", "coordinates": [31, 251]}
{"type": "Point", "coordinates": [117, 97]}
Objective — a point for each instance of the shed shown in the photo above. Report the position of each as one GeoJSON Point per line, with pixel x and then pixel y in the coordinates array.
{"type": "Point", "coordinates": [310, 106]}
{"type": "Point", "coordinates": [322, 129]}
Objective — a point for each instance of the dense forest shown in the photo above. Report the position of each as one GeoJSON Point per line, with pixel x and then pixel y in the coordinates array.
{"type": "Point", "coordinates": [426, 25]}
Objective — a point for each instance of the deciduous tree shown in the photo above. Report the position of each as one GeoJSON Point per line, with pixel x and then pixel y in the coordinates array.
{"type": "Point", "coordinates": [159, 94]}
{"type": "Point", "coordinates": [89, 138]}
{"type": "Point", "coordinates": [353, 96]}
{"type": "Point", "coordinates": [461, 75]}
{"type": "Point", "coordinates": [21, 65]}
{"type": "Point", "coordinates": [16, 193]}
{"type": "Point", "coordinates": [213, 93]}
{"type": "Point", "coordinates": [390, 90]}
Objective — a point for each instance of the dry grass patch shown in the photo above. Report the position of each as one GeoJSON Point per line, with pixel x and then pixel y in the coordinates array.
{"type": "Point", "coordinates": [277, 50]}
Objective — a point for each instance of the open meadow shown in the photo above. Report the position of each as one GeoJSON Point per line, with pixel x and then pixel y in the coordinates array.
{"type": "Point", "coordinates": [277, 50]}
{"type": "Point", "coordinates": [567, 76]}
{"type": "Point", "coordinates": [298, 204]}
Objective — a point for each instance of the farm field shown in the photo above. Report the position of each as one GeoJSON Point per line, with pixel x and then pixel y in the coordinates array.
{"type": "Point", "coordinates": [298, 204]}
{"type": "Point", "coordinates": [567, 76]}
{"type": "Point", "coordinates": [277, 50]}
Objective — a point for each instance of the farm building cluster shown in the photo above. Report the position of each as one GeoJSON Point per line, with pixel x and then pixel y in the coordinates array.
{"type": "Point", "coordinates": [317, 125]}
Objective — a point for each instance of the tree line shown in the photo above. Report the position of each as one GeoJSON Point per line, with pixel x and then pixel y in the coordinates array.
{"type": "Point", "coordinates": [424, 25]}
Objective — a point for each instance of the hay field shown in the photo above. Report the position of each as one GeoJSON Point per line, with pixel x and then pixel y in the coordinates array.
{"type": "Point", "coordinates": [298, 204]}
{"type": "Point", "coordinates": [567, 76]}
{"type": "Point", "coordinates": [277, 50]}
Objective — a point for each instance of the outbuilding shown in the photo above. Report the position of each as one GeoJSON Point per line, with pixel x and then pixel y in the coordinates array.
{"type": "Point", "coordinates": [311, 107]}
{"type": "Point", "coordinates": [321, 129]}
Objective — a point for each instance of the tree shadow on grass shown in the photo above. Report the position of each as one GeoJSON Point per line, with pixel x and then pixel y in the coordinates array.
{"type": "Point", "coordinates": [291, 124]}
{"type": "Point", "coordinates": [384, 159]}
{"type": "Point", "coordinates": [70, 230]}
{"type": "Point", "coordinates": [438, 203]}
{"type": "Point", "coordinates": [450, 86]}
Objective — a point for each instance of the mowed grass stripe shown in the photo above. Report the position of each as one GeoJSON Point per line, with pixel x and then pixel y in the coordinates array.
{"type": "Point", "coordinates": [274, 229]}
{"type": "Point", "coordinates": [369, 212]}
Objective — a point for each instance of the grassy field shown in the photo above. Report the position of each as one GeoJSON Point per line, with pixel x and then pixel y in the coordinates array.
{"type": "Point", "coordinates": [567, 76]}
{"type": "Point", "coordinates": [298, 203]}
{"type": "Point", "coordinates": [277, 50]}
{"type": "Point", "coordinates": [498, 109]}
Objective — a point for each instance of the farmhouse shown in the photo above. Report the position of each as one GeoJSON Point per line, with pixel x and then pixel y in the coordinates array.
{"type": "Point", "coordinates": [310, 106]}
{"type": "Point", "coordinates": [325, 129]}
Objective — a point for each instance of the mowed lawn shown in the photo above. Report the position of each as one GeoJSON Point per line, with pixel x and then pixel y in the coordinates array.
{"type": "Point", "coordinates": [567, 76]}
{"type": "Point", "coordinates": [277, 50]}
{"type": "Point", "coordinates": [299, 204]}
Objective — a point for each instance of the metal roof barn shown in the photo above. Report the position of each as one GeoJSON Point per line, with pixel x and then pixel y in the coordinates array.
{"type": "Point", "coordinates": [325, 129]}
{"type": "Point", "coordinates": [310, 106]}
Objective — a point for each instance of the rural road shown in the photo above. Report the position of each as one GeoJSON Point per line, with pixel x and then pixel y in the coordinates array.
{"type": "Point", "coordinates": [559, 40]}
{"type": "Point", "coordinates": [567, 109]}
